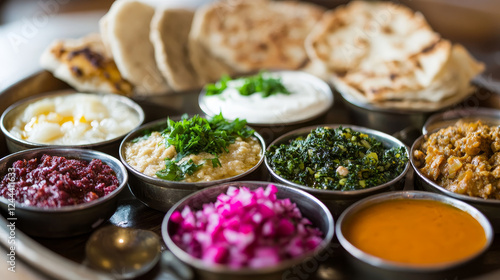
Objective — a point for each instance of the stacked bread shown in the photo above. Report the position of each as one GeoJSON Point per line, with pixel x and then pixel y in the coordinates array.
{"type": "Point", "coordinates": [387, 55]}
{"type": "Point", "coordinates": [376, 52]}
{"type": "Point", "coordinates": [167, 50]}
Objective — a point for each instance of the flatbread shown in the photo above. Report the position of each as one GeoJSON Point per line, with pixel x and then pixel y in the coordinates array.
{"type": "Point", "coordinates": [84, 64]}
{"type": "Point", "coordinates": [128, 29]}
{"type": "Point", "coordinates": [452, 81]}
{"type": "Point", "coordinates": [366, 32]}
{"type": "Point", "coordinates": [251, 35]}
{"type": "Point", "coordinates": [169, 35]}
{"type": "Point", "coordinates": [384, 53]}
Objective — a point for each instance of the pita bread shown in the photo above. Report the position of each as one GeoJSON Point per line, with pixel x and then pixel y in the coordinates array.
{"type": "Point", "coordinates": [128, 28]}
{"type": "Point", "coordinates": [169, 35]}
{"type": "Point", "coordinates": [84, 65]}
{"type": "Point", "coordinates": [251, 35]}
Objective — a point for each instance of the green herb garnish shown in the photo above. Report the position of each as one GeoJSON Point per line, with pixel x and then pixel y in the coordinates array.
{"type": "Point", "coordinates": [337, 159]}
{"type": "Point", "coordinates": [196, 135]}
{"type": "Point", "coordinates": [258, 83]}
{"type": "Point", "coordinates": [175, 171]}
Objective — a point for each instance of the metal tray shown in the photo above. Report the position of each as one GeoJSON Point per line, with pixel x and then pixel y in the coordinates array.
{"type": "Point", "coordinates": [65, 258]}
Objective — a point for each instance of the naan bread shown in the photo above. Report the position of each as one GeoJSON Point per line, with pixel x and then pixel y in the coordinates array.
{"type": "Point", "coordinates": [128, 27]}
{"type": "Point", "coordinates": [246, 36]}
{"type": "Point", "coordinates": [83, 64]}
{"type": "Point", "coordinates": [169, 35]}
{"type": "Point", "coordinates": [452, 82]}
{"type": "Point", "coordinates": [385, 53]}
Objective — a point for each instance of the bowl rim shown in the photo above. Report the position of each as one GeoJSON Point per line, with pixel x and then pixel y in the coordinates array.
{"type": "Point", "coordinates": [68, 153]}
{"type": "Point", "coordinates": [419, 195]}
{"type": "Point", "coordinates": [307, 130]}
{"type": "Point", "coordinates": [136, 108]}
{"type": "Point", "coordinates": [459, 114]}
{"type": "Point", "coordinates": [161, 183]}
{"type": "Point", "coordinates": [214, 268]}
{"type": "Point", "coordinates": [324, 88]}
{"type": "Point", "coordinates": [470, 199]}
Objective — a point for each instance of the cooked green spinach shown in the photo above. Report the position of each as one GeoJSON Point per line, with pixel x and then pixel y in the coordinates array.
{"type": "Point", "coordinates": [337, 159]}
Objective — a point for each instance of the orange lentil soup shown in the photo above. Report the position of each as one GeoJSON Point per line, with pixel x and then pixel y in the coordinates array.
{"type": "Point", "coordinates": [415, 232]}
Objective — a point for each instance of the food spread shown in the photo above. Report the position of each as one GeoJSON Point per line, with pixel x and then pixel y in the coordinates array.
{"type": "Point", "coordinates": [419, 233]}
{"type": "Point", "coordinates": [54, 181]}
{"type": "Point", "coordinates": [463, 158]}
{"type": "Point", "coordinates": [337, 159]}
{"type": "Point", "coordinates": [195, 150]}
{"type": "Point", "coordinates": [378, 53]}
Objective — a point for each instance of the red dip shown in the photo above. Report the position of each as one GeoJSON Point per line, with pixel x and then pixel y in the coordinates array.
{"type": "Point", "coordinates": [56, 181]}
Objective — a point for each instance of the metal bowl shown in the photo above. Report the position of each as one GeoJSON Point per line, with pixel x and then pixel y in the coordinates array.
{"type": "Point", "coordinates": [15, 144]}
{"type": "Point", "coordinates": [377, 268]}
{"type": "Point", "coordinates": [162, 194]}
{"type": "Point", "coordinates": [445, 119]}
{"type": "Point", "coordinates": [66, 220]}
{"type": "Point", "coordinates": [338, 201]}
{"type": "Point", "coordinates": [271, 129]}
{"type": "Point", "coordinates": [489, 207]}
{"type": "Point", "coordinates": [309, 206]}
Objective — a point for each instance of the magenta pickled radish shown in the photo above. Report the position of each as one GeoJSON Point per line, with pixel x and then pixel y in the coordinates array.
{"type": "Point", "coordinates": [245, 228]}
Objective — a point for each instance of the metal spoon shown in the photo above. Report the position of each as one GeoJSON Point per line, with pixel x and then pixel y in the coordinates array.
{"type": "Point", "coordinates": [123, 252]}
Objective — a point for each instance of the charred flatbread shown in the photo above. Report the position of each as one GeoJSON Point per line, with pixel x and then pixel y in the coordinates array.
{"type": "Point", "coordinates": [84, 64]}
{"type": "Point", "coordinates": [252, 35]}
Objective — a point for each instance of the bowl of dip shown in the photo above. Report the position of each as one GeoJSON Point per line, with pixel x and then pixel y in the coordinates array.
{"type": "Point", "coordinates": [304, 100]}
{"type": "Point", "coordinates": [67, 119]}
{"type": "Point", "coordinates": [461, 161]}
{"type": "Point", "coordinates": [338, 164]}
{"type": "Point", "coordinates": [260, 248]}
{"type": "Point", "coordinates": [159, 184]}
{"type": "Point", "coordinates": [60, 192]}
{"type": "Point", "coordinates": [430, 235]}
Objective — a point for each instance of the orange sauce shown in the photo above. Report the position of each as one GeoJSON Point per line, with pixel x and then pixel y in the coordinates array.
{"type": "Point", "coordinates": [415, 232]}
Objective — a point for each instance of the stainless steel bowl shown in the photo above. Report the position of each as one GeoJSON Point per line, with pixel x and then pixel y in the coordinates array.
{"type": "Point", "coordinates": [309, 206]}
{"type": "Point", "coordinates": [445, 119]}
{"type": "Point", "coordinates": [66, 220]}
{"type": "Point", "coordinates": [162, 194]}
{"type": "Point", "coordinates": [338, 201]}
{"type": "Point", "coordinates": [377, 268]}
{"type": "Point", "coordinates": [489, 207]}
{"type": "Point", "coordinates": [15, 144]}
{"type": "Point", "coordinates": [270, 130]}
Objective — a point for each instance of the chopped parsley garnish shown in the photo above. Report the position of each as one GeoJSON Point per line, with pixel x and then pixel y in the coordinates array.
{"type": "Point", "coordinates": [196, 135]}
{"type": "Point", "coordinates": [337, 159]}
{"type": "Point", "coordinates": [249, 85]}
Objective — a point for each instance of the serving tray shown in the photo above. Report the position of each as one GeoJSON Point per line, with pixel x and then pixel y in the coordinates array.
{"type": "Point", "coordinates": [65, 258]}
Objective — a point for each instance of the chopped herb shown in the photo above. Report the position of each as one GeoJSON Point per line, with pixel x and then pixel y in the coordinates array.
{"type": "Point", "coordinates": [196, 135]}
{"type": "Point", "coordinates": [254, 84]}
{"type": "Point", "coordinates": [337, 159]}
{"type": "Point", "coordinates": [177, 171]}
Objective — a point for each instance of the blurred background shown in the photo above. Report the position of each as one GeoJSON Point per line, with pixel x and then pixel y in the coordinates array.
{"type": "Point", "coordinates": [28, 26]}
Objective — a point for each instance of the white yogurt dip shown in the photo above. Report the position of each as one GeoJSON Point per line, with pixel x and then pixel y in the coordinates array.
{"type": "Point", "coordinates": [74, 119]}
{"type": "Point", "coordinates": [309, 97]}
